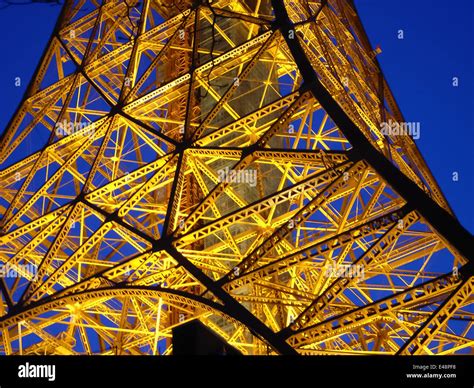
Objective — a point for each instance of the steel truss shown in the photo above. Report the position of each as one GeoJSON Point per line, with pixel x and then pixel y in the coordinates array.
{"type": "Point", "coordinates": [343, 244]}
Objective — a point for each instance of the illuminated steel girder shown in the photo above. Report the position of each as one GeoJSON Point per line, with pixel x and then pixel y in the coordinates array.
{"type": "Point", "coordinates": [222, 161]}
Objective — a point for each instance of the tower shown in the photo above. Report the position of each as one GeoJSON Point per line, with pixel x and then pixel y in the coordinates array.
{"type": "Point", "coordinates": [241, 163]}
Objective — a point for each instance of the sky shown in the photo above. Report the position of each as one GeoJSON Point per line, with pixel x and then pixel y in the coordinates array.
{"type": "Point", "coordinates": [436, 46]}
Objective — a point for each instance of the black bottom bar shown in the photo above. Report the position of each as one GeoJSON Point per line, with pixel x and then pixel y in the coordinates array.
{"type": "Point", "coordinates": [336, 371]}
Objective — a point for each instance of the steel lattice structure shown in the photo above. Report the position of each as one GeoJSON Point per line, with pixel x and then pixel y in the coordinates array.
{"type": "Point", "coordinates": [133, 230]}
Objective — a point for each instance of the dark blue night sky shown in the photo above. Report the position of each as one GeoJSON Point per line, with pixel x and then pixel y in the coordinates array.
{"type": "Point", "coordinates": [437, 46]}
